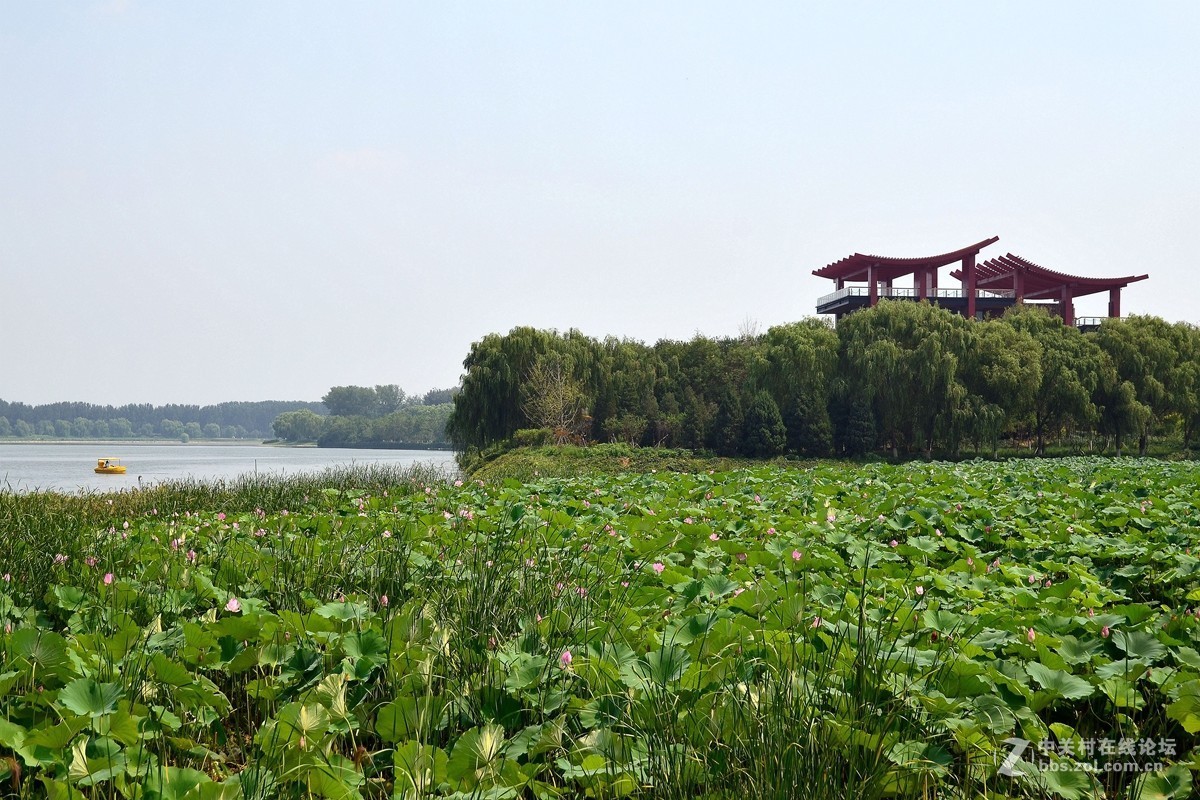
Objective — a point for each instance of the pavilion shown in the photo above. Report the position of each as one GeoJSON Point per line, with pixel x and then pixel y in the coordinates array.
{"type": "Point", "coordinates": [986, 289]}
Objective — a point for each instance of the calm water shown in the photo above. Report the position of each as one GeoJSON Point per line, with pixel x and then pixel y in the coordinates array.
{"type": "Point", "coordinates": [68, 467]}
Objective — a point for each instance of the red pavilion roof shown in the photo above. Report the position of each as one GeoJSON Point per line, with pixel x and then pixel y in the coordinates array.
{"type": "Point", "coordinates": [854, 267]}
{"type": "Point", "coordinates": [1001, 273]}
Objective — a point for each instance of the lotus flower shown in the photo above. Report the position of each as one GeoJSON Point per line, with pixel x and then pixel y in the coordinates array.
{"type": "Point", "coordinates": [233, 606]}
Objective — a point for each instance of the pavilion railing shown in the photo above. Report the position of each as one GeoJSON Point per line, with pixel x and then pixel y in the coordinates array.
{"type": "Point", "coordinates": [911, 293]}
{"type": "Point", "coordinates": [1089, 322]}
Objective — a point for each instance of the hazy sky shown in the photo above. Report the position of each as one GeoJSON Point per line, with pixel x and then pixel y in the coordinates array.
{"type": "Point", "coordinates": [240, 201]}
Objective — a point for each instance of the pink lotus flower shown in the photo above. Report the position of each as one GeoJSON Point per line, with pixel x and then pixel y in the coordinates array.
{"type": "Point", "coordinates": [565, 659]}
{"type": "Point", "coordinates": [687, 520]}
{"type": "Point", "coordinates": [233, 606]}
{"type": "Point", "coordinates": [108, 579]}
{"type": "Point", "coordinates": [221, 517]}
{"type": "Point", "coordinates": [658, 567]}
{"type": "Point", "coordinates": [383, 600]}
{"type": "Point", "coordinates": [920, 591]}
{"type": "Point", "coordinates": [1033, 578]}
{"type": "Point", "coordinates": [713, 536]}
{"type": "Point", "coordinates": [1031, 634]}
{"type": "Point", "coordinates": [970, 561]}
{"type": "Point", "coordinates": [797, 555]}
{"type": "Point", "coordinates": [191, 556]}
{"type": "Point", "coordinates": [770, 531]}
{"type": "Point", "coordinates": [894, 543]}
{"type": "Point", "coordinates": [816, 623]}
{"type": "Point", "coordinates": [7, 577]}
{"type": "Point", "coordinates": [1104, 632]}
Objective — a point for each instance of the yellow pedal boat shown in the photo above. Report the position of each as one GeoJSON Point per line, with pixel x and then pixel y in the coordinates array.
{"type": "Point", "coordinates": [110, 466]}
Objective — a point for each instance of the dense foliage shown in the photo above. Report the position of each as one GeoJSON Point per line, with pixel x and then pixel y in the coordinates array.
{"type": "Point", "coordinates": [87, 421]}
{"type": "Point", "coordinates": [835, 632]}
{"type": "Point", "coordinates": [903, 376]}
{"type": "Point", "coordinates": [361, 416]}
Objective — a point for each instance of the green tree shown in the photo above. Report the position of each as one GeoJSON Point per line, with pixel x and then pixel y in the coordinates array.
{"type": "Point", "coordinates": [726, 437]}
{"type": "Point", "coordinates": [388, 399]}
{"type": "Point", "coordinates": [857, 433]}
{"type": "Point", "coordinates": [1002, 371]}
{"type": "Point", "coordinates": [798, 359]}
{"type": "Point", "coordinates": [350, 401]}
{"type": "Point", "coordinates": [809, 428]}
{"type": "Point", "coordinates": [1119, 413]}
{"type": "Point", "coordinates": [299, 426]}
{"type": "Point", "coordinates": [5, 427]}
{"type": "Point", "coordinates": [907, 356]}
{"type": "Point", "coordinates": [489, 407]}
{"type": "Point", "coordinates": [1070, 371]}
{"type": "Point", "coordinates": [1145, 352]}
{"type": "Point", "coordinates": [22, 429]}
{"type": "Point", "coordinates": [763, 432]}
{"type": "Point", "coordinates": [212, 431]}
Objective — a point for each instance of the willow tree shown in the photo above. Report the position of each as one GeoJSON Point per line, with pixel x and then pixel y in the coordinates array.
{"type": "Point", "coordinates": [906, 356]}
{"type": "Point", "coordinates": [1002, 371]}
{"type": "Point", "coordinates": [488, 408]}
{"type": "Point", "coordinates": [1145, 352]}
{"type": "Point", "coordinates": [1070, 371]}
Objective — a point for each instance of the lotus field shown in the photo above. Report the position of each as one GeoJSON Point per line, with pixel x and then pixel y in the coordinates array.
{"type": "Point", "coordinates": [1019, 629]}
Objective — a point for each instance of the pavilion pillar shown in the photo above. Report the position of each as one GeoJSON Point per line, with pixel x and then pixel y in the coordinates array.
{"type": "Point", "coordinates": [968, 268]}
{"type": "Point", "coordinates": [1019, 286]}
{"type": "Point", "coordinates": [922, 281]}
{"type": "Point", "coordinates": [872, 287]}
{"type": "Point", "coordinates": [1068, 306]}
{"type": "Point", "coordinates": [1114, 302]}
{"type": "Point", "coordinates": [841, 284]}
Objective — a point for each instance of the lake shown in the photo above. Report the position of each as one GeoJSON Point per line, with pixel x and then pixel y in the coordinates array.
{"type": "Point", "coordinates": [68, 467]}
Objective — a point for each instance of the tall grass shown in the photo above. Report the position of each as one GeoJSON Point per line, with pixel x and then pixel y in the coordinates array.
{"type": "Point", "coordinates": [36, 527]}
{"type": "Point", "coordinates": [819, 711]}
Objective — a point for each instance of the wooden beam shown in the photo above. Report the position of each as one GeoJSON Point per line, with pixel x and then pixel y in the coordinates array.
{"type": "Point", "coordinates": [968, 263]}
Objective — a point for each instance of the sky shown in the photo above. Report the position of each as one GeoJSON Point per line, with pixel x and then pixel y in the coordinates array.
{"type": "Point", "coordinates": [202, 202]}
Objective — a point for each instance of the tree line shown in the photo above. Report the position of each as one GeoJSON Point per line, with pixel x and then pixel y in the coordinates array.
{"type": "Point", "coordinates": [232, 420]}
{"type": "Point", "coordinates": [902, 378]}
{"type": "Point", "coordinates": [366, 416]}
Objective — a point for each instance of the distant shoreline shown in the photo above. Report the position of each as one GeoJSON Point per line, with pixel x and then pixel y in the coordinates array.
{"type": "Point", "coordinates": [130, 442]}
{"type": "Point", "coordinates": [121, 443]}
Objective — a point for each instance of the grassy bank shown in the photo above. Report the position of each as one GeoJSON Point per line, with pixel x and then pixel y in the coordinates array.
{"type": "Point", "coordinates": [530, 463]}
